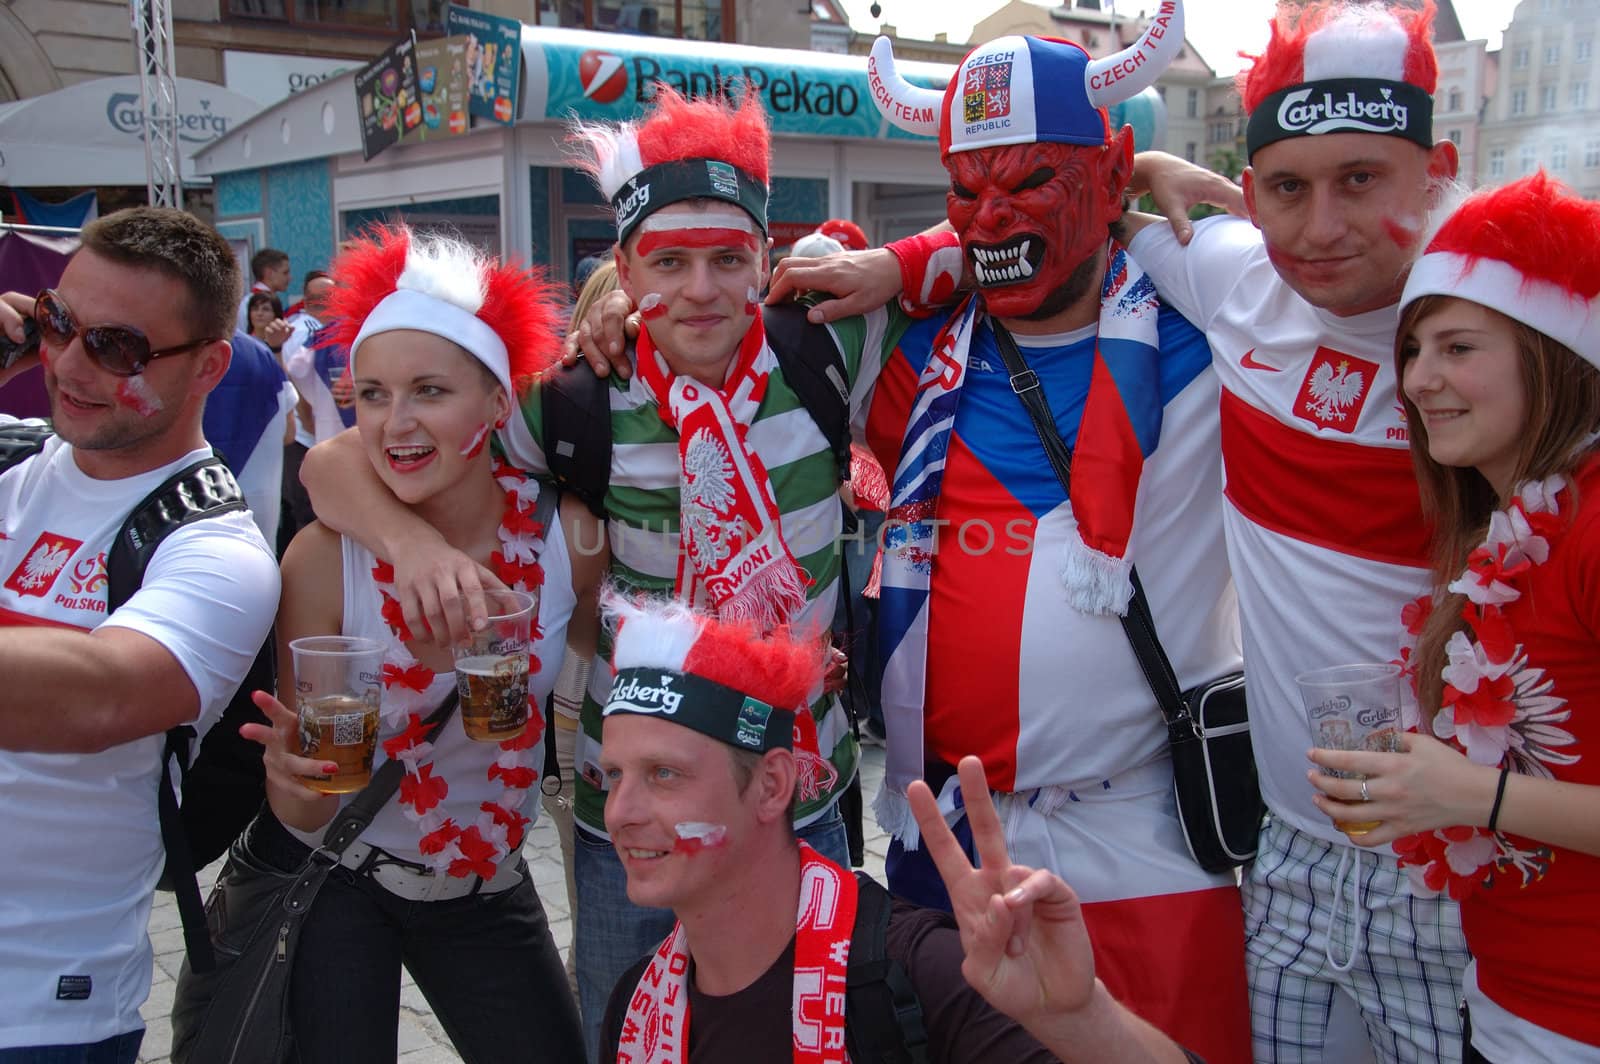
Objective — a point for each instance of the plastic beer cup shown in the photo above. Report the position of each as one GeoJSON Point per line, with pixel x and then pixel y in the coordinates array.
{"type": "Point", "coordinates": [492, 669]}
{"type": "Point", "coordinates": [338, 687]}
{"type": "Point", "coordinates": [1353, 707]}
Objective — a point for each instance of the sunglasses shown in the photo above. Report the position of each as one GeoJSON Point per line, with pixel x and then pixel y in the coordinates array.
{"type": "Point", "coordinates": [119, 349]}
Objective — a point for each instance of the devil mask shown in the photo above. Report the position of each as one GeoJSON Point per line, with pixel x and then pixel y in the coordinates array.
{"type": "Point", "coordinates": [1036, 173]}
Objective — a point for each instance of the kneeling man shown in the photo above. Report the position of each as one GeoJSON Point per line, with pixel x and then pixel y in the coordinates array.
{"type": "Point", "coordinates": [698, 737]}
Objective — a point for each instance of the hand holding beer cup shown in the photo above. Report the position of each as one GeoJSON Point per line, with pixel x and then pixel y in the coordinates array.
{"type": "Point", "coordinates": [1352, 708]}
{"type": "Point", "coordinates": [338, 683]}
{"type": "Point", "coordinates": [492, 668]}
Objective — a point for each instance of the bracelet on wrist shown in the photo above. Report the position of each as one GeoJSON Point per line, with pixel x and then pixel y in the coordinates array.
{"type": "Point", "coordinates": [1499, 796]}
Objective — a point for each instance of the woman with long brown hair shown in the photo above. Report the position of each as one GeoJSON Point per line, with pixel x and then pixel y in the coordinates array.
{"type": "Point", "coordinates": [1496, 798]}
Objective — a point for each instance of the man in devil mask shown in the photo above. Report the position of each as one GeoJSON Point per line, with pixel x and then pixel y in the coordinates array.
{"type": "Point", "coordinates": [1002, 590]}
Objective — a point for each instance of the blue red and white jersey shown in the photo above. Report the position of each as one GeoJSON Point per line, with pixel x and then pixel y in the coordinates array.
{"type": "Point", "coordinates": [1325, 530]}
{"type": "Point", "coordinates": [1045, 694]}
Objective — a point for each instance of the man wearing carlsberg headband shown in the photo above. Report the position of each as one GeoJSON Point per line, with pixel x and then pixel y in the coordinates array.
{"type": "Point", "coordinates": [1325, 531]}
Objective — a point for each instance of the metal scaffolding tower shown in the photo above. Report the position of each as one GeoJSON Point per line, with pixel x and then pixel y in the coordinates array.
{"type": "Point", "coordinates": [152, 39]}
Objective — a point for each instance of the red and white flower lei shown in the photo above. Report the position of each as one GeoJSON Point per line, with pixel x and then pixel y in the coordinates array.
{"type": "Point", "coordinates": [447, 846]}
{"type": "Point", "coordinates": [1495, 707]}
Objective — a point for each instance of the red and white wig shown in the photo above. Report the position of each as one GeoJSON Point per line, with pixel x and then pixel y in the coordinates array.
{"type": "Point", "coordinates": [1342, 66]}
{"type": "Point", "coordinates": [1528, 250]}
{"type": "Point", "coordinates": [502, 314]}
{"type": "Point", "coordinates": [683, 149]}
{"type": "Point", "coordinates": [723, 679]}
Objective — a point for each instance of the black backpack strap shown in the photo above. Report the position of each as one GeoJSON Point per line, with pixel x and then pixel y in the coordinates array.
{"type": "Point", "coordinates": [21, 441]}
{"type": "Point", "coordinates": [576, 411]}
{"type": "Point", "coordinates": [882, 1016]}
{"type": "Point", "coordinates": [200, 490]}
{"type": "Point", "coordinates": [814, 368]}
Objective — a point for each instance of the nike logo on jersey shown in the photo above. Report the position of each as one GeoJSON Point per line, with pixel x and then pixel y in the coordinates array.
{"type": "Point", "coordinates": [1249, 362]}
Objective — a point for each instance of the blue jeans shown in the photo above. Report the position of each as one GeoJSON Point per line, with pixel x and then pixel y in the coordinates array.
{"type": "Point", "coordinates": [611, 933]}
{"type": "Point", "coordinates": [118, 1049]}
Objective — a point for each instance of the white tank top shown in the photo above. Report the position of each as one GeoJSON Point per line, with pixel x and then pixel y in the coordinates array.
{"type": "Point", "coordinates": [461, 761]}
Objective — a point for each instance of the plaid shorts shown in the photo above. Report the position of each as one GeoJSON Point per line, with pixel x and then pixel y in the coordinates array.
{"type": "Point", "coordinates": [1406, 955]}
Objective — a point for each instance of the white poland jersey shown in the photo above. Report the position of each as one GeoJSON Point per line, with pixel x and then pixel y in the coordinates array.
{"type": "Point", "coordinates": [1324, 528]}
{"type": "Point", "coordinates": [80, 831]}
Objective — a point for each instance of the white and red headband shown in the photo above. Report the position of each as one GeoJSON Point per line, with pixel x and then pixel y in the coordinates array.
{"type": "Point", "coordinates": [720, 678]}
{"type": "Point", "coordinates": [1337, 66]}
{"type": "Point", "coordinates": [501, 314]}
{"type": "Point", "coordinates": [1530, 250]}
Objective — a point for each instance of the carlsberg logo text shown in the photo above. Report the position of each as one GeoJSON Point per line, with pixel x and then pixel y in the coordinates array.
{"type": "Point", "coordinates": [633, 204]}
{"type": "Point", "coordinates": [636, 697]}
{"type": "Point", "coordinates": [1300, 113]}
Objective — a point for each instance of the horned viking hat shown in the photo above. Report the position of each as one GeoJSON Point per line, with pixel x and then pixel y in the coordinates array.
{"type": "Point", "coordinates": [1026, 90]}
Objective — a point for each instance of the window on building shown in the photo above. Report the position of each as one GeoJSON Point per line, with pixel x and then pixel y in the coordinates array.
{"type": "Point", "coordinates": [1519, 59]}
{"type": "Point", "coordinates": [1552, 54]}
{"type": "Point", "coordinates": [1497, 163]}
{"type": "Point", "coordinates": [1190, 152]}
{"type": "Point", "coordinates": [1547, 98]}
{"type": "Point", "coordinates": [1519, 101]}
{"type": "Point", "coordinates": [1579, 94]}
{"type": "Point", "coordinates": [1453, 102]}
{"type": "Point", "coordinates": [1558, 156]}
{"type": "Point", "coordinates": [1582, 50]}
{"type": "Point", "coordinates": [1591, 154]}
{"type": "Point", "coordinates": [1194, 103]}
{"type": "Point", "coordinates": [1530, 158]}
{"type": "Point", "coordinates": [376, 16]}
{"type": "Point", "coordinates": [1454, 137]}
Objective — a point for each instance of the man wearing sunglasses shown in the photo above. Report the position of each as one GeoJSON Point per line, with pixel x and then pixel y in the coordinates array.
{"type": "Point", "coordinates": [130, 343]}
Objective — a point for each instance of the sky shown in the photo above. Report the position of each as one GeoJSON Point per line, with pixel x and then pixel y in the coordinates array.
{"type": "Point", "coordinates": [1217, 28]}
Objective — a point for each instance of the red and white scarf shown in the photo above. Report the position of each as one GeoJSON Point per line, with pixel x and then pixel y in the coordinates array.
{"type": "Point", "coordinates": [656, 1027]}
{"type": "Point", "coordinates": [733, 553]}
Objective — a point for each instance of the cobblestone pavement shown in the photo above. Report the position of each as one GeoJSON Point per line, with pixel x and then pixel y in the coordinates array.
{"type": "Point", "coordinates": [422, 1040]}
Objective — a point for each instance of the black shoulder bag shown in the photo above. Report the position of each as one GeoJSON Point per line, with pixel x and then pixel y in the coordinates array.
{"type": "Point", "coordinates": [1208, 727]}
{"type": "Point", "coordinates": [238, 1013]}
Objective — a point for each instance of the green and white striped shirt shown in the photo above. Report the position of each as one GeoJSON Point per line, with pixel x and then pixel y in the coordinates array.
{"type": "Point", "coordinates": [643, 506]}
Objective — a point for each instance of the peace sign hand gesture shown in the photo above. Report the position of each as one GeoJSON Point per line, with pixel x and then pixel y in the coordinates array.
{"type": "Point", "coordinates": [1027, 950]}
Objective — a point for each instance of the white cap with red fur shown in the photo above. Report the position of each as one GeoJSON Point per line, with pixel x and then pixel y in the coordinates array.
{"type": "Point", "coordinates": [1528, 250]}
{"type": "Point", "coordinates": [502, 314]}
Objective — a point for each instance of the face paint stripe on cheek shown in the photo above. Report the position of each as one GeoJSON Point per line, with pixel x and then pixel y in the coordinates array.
{"type": "Point", "coordinates": [135, 394]}
{"type": "Point", "coordinates": [752, 302]}
{"type": "Point", "coordinates": [474, 446]}
{"type": "Point", "coordinates": [652, 306]}
{"type": "Point", "coordinates": [695, 836]}
{"type": "Point", "coordinates": [1402, 235]}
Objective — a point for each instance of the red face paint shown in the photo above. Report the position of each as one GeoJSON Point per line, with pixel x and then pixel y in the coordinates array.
{"type": "Point", "coordinates": [752, 302]}
{"type": "Point", "coordinates": [474, 446]}
{"type": "Point", "coordinates": [695, 238]}
{"type": "Point", "coordinates": [695, 836]}
{"type": "Point", "coordinates": [652, 306]}
{"type": "Point", "coordinates": [1401, 235]}
{"type": "Point", "coordinates": [135, 394]}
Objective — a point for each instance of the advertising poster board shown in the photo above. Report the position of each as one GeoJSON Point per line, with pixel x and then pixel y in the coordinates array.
{"type": "Point", "coordinates": [494, 62]}
{"type": "Point", "coordinates": [442, 86]}
{"type": "Point", "coordinates": [387, 98]}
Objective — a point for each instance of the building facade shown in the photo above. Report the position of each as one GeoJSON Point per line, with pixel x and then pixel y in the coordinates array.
{"type": "Point", "coordinates": [1544, 105]}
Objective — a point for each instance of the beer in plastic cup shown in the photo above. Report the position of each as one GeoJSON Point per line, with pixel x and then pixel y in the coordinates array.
{"type": "Point", "coordinates": [1353, 707]}
{"type": "Point", "coordinates": [338, 687]}
{"type": "Point", "coordinates": [492, 669]}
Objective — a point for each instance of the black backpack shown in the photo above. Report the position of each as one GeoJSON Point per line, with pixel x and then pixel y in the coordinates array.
{"type": "Point", "coordinates": [882, 1016]}
{"type": "Point", "coordinates": [224, 782]}
{"type": "Point", "coordinates": [576, 405]}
